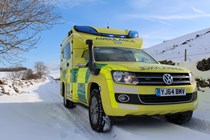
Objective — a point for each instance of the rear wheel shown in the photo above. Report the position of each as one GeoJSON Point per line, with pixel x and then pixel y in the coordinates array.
{"type": "Point", "coordinates": [67, 103]}
{"type": "Point", "coordinates": [99, 121]}
{"type": "Point", "coordinates": [179, 118]}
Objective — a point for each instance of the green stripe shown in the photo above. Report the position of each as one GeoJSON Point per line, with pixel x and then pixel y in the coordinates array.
{"type": "Point", "coordinates": [100, 65]}
{"type": "Point", "coordinates": [74, 75]}
{"type": "Point", "coordinates": [87, 75]}
{"type": "Point", "coordinates": [81, 91]}
{"type": "Point", "coordinates": [68, 88]}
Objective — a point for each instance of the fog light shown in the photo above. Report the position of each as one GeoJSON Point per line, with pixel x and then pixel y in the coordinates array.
{"type": "Point", "coordinates": [194, 95]}
{"type": "Point", "coordinates": [123, 98]}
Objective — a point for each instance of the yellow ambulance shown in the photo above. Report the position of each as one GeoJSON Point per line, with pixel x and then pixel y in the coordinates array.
{"type": "Point", "coordinates": [106, 70]}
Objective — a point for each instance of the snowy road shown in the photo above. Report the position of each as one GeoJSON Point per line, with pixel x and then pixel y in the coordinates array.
{"type": "Point", "coordinates": [40, 115]}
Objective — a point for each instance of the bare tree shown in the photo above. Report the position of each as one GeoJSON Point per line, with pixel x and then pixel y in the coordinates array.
{"type": "Point", "coordinates": [15, 72]}
{"type": "Point", "coordinates": [14, 75]}
{"type": "Point", "coordinates": [28, 74]}
{"type": "Point", "coordinates": [21, 21]}
{"type": "Point", "coordinates": [40, 68]}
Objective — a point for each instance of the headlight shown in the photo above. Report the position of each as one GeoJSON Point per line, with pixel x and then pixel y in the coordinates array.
{"type": "Point", "coordinates": [192, 78]}
{"type": "Point", "coordinates": [125, 77]}
{"type": "Point", "coordinates": [117, 76]}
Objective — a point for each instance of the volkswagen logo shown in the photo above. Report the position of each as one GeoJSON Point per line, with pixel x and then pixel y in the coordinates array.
{"type": "Point", "coordinates": [168, 79]}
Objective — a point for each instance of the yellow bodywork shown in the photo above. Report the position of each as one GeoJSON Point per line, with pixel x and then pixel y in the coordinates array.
{"type": "Point", "coordinates": [76, 79]}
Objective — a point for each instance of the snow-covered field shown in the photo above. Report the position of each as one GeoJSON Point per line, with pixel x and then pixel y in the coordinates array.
{"type": "Point", "coordinates": [40, 115]}
{"type": "Point", "coordinates": [197, 45]}
{"type": "Point", "coordinates": [55, 74]}
{"type": "Point", "coordinates": [197, 73]}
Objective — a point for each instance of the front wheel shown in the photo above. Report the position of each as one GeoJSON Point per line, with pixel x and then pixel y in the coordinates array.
{"type": "Point", "coordinates": [179, 118]}
{"type": "Point", "coordinates": [99, 121]}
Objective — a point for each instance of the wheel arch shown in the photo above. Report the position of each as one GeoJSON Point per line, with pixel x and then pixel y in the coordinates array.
{"type": "Point", "coordinates": [92, 86]}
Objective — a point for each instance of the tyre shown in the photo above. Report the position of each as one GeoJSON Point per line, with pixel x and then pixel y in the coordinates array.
{"type": "Point", "coordinates": [179, 118]}
{"type": "Point", "coordinates": [99, 121]}
{"type": "Point", "coordinates": [67, 103]}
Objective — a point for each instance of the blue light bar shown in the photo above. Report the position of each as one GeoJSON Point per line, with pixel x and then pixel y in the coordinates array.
{"type": "Point", "coordinates": [91, 30]}
{"type": "Point", "coordinates": [86, 29]}
{"type": "Point", "coordinates": [133, 34]}
{"type": "Point", "coordinates": [113, 35]}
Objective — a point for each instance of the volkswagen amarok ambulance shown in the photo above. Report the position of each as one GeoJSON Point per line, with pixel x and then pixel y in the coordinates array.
{"type": "Point", "coordinates": [107, 71]}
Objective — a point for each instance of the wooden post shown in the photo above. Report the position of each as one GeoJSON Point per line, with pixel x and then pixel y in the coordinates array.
{"type": "Point", "coordinates": [185, 55]}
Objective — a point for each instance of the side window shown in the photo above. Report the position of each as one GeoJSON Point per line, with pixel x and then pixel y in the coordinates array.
{"type": "Point", "coordinates": [86, 55]}
{"type": "Point", "coordinates": [67, 51]}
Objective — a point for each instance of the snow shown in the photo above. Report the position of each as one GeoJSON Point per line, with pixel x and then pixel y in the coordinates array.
{"type": "Point", "coordinates": [38, 113]}
{"type": "Point", "coordinates": [55, 74]}
{"type": "Point", "coordinates": [16, 86]}
{"type": "Point", "coordinates": [201, 119]}
{"type": "Point", "coordinates": [4, 74]}
{"type": "Point", "coordinates": [192, 66]}
{"type": "Point", "coordinates": [41, 115]}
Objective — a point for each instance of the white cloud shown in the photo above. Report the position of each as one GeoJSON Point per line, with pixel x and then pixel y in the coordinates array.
{"type": "Point", "coordinates": [72, 3]}
{"type": "Point", "coordinates": [169, 17]}
{"type": "Point", "coordinates": [181, 16]}
{"type": "Point", "coordinates": [165, 11]}
{"type": "Point", "coordinates": [198, 11]}
{"type": "Point", "coordinates": [160, 21]}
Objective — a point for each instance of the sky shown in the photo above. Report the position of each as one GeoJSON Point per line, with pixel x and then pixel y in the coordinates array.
{"type": "Point", "coordinates": [155, 20]}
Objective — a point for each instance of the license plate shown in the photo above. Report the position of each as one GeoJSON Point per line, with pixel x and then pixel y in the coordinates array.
{"type": "Point", "coordinates": [170, 92]}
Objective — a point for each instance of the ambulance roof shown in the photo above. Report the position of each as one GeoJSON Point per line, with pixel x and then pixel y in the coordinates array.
{"type": "Point", "coordinates": [107, 32]}
{"type": "Point", "coordinates": [105, 37]}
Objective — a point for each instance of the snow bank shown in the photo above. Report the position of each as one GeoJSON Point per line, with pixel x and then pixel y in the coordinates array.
{"type": "Point", "coordinates": [4, 75]}
{"type": "Point", "coordinates": [16, 86]}
{"type": "Point", "coordinates": [192, 66]}
{"type": "Point", "coordinates": [41, 115]}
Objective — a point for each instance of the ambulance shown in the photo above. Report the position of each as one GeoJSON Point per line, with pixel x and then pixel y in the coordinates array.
{"type": "Point", "coordinates": [106, 70]}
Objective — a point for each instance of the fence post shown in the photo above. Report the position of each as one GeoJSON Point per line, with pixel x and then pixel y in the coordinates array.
{"type": "Point", "coordinates": [185, 55]}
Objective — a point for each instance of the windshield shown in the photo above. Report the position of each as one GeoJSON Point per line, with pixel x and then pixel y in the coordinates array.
{"type": "Point", "coordinates": [122, 54]}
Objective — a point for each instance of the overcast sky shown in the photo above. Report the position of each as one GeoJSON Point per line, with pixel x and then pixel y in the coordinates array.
{"type": "Point", "coordinates": [155, 20]}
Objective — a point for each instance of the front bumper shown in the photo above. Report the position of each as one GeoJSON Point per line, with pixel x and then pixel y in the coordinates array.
{"type": "Point", "coordinates": [150, 110]}
{"type": "Point", "coordinates": [112, 107]}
